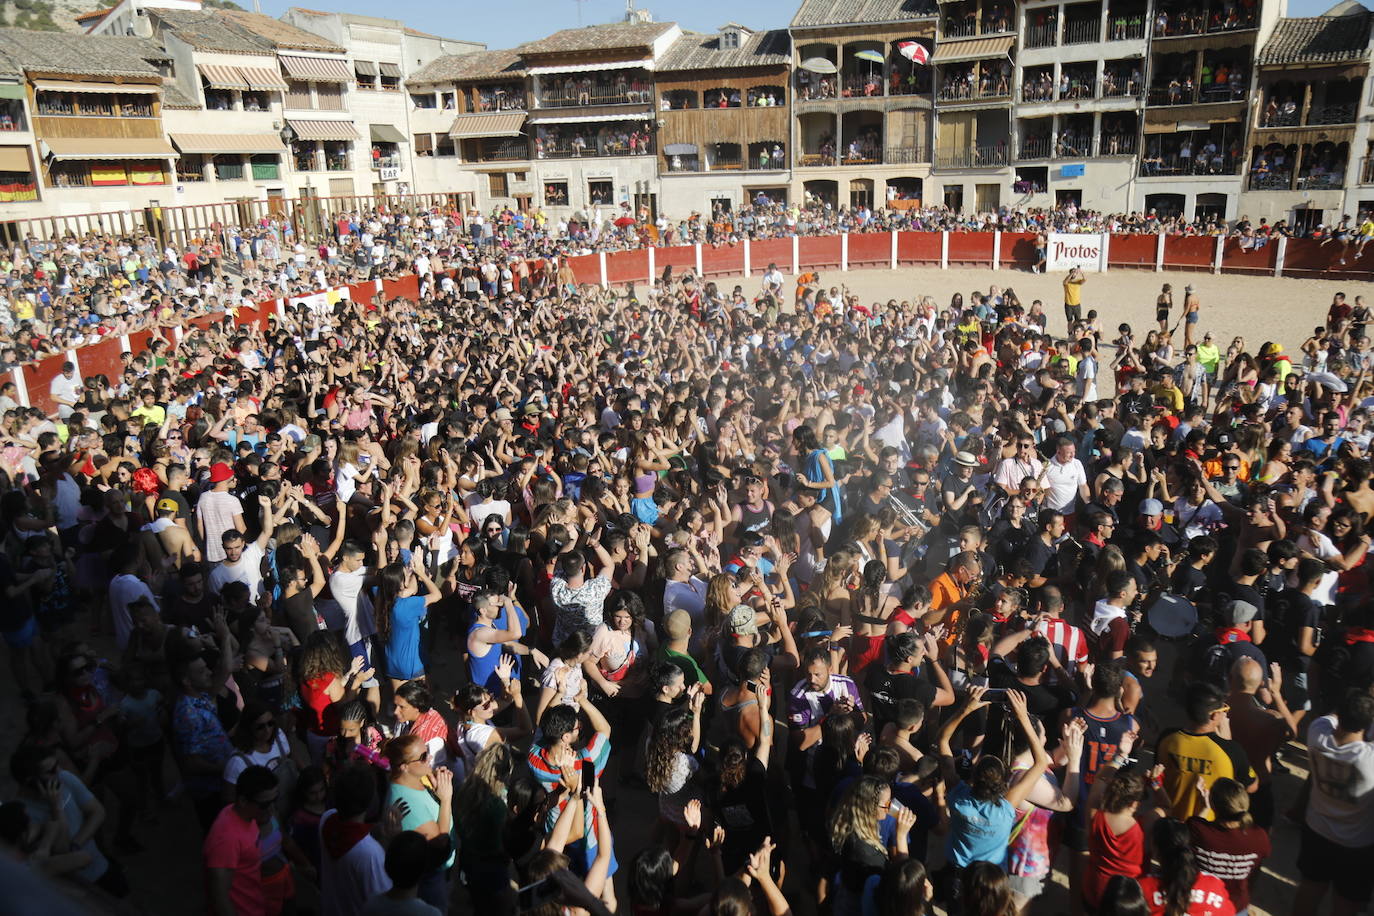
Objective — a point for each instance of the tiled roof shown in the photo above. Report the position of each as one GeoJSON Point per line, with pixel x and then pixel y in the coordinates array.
{"type": "Point", "coordinates": [209, 30]}
{"type": "Point", "coordinates": [281, 34]}
{"type": "Point", "coordinates": [78, 54]}
{"type": "Point", "coordinates": [475, 66]}
{"type": "Point", "coordinates": [850, 12]}
{"type": "Point", "coordinates": [599, 38]}
{"type": "Point", "coordinates": [172, 97]}
{"type": "Point", "coordinates": [703, 52]}
{"type": "Point", "coordinates": [1318, 40]}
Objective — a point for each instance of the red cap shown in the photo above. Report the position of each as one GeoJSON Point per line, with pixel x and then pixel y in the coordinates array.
{"type": "Point", "coordinates": [220, 472]}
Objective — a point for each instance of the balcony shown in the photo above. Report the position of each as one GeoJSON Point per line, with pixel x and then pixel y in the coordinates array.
{"type": "Point", "coordinates": [1164, 96]}
{"type": "Point", "coordinates": [266, 171]}
{"type": "Point", "coordinates": [505, 150]}
{"type": "Point", "coordinates": [979, 157]}
{"type": "Point", "coordinates": [604, 97]}
{"type": "Point", "coordinates": [1367, 170]}
{"type": "Point", "coordinates": [566, 149]}
{"type": "Point", "coordinates": [338, 164]}
{"type": "Point", "coordinates": [1038, 148]}
{"type": "Point", "coordinates": [1230, 17]}
{"type": "Point", "coordinates": [1281, 119]}
{"type": "Point", "coordinates": [959, 28]}
{"type": "Point", "coordinates": [1082, 31]}
{"type": "Point", "coordinates": [1333, 180]}
{"type": "Point", "coordinates": [1042, 36]}
{"type": "Point", "coordinates": [306, 163]}
{"type": "Point", "coordinates": [1123, 29]}
{"type": "Point", "coordinates": [386, 162]}
{"type": "Point", "coordinates": [1270, 181]}
{"type": "Point", "coordinates": [1116, 144]}
{"type": "Point", "coordinates": [1123, 89]}
{"type": "Point", "coordinates": [1172, 166]}
{"type": "Point", "coordinates": [228, 171]}
{"type": "Point", "coordinates": [816, 160]}
{"type": "Point", "coordinates": [1037, 92]}
{"type": "Point", "coordinates": [189, 172]}
{"type": "Point", "coordinates": [1332, 114]}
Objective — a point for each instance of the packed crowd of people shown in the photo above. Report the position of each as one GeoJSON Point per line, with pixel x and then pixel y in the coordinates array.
{"type": "Point", "coordinates": [66, 292]}
{"type": "Point", "coordinates": [526, 596]}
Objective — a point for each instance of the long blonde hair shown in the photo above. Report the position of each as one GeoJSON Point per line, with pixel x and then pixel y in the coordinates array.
{"type": "Point", "coordinates": [857, 813]}
{"type": "Point", "coordinates": [491, 771]}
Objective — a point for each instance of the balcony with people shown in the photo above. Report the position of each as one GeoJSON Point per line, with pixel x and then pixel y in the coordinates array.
{"type": "Point", "coordinates": [322, 155]}
{"type": "Point", "coordinates": [817, 72]}
{"type": "Point", "coordinates": [496, 149]}
{"type": "Point", "coordinates": [1074, 139]}
{"type": "Point", "coordinates": [766, 97]}
{"type": "Point", "coordinates": [1077, 81]}
{"type": "Point", "coordinates": [861, 76]}
{"type": "Point", "coordinates": [619, 87]}
{"type": "Point", "coordinates": [1042, 28]}
{"type": "Point", "coordinates": [904, 75]}
{"type": "Point", "coordinates": [1126, 20]}
{"type": "Point", "coordinates": [975, 81]}
{"type": "Point", "coordinates": [971, 18]}
{"type": "Point", "coordinates": [1201, 78]}
{"type": "Point", "coordinates": [723, 97]}
{"type": "Point", "coordinates": [582, 141]}
{"type": "Point", "coordinates": [862, 136]}
{"type": "Point", "coordinates": [679, 100]}
{"type": "Point", "coordinates": [1119, 134]}
{"type": "Point", "coordinates": [1298, 103]}
{"type": "Point", "coordinates": [1035, 138]}
{"type": "Point", "coordinates": [1176, 18]}
{"type": "Point", "coordinates": [973, 140]}
{"type": "Point", "coordinates": [496, 97]}
{"type": "Point", "coordinates": [1298, 167]}
{"type": "Point", "coordinates": [1216, 151]}
{"type": "Point", "coordinates": [767, 155]}
{"type": "Point", "coordinates": [1121, 79]}
{"type": "Point", "coordinates": [1037, 83]}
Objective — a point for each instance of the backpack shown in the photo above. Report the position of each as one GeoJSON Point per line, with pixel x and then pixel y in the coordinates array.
{"type": "Point", "coordinates": [1216, 664]}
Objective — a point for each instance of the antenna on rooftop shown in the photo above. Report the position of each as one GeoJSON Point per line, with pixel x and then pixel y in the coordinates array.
{"type": "Point", "coordinates": [579, 11]}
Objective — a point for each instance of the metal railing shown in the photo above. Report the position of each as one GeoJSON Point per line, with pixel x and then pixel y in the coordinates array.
{"type": "Point", "coordinates": [1163, 96]}
{"type": "Point", "coordinates": [386, 162]}
{"type": "Point", "coordinates": [725, 163]}
{"type": "Point", "coordinates": [1038, 148]}
{"type": "Point", "coordinates": [228, 171]}
{"type": "Point", "coordinates": [1119, 87]}
{"type": "Point", "coordinates": [1080, 90]}
{"type": "Point", "coordinates": [1116, 144]}
{"type": "Point", "coordinates": [266, 171]}
{"type": "Point", "coordinates": [1041, 36]}
{"type": "Point", "coordinates": [1332, 114]}
{"type": "Point", "coordinates": [505, 151]}
{"type": "Point", "coordinates": [1073, 146]}
{"type": "Point", "coordinates": [187, 172]}
{"type": "Point", "coordinates": [1128, 30]}
{"type": "Point", "coordinates": [337, 164]}
{"type": "Point", "coordinates": [1270, 181]}
{"type": "Point", "coordinates": [629, 97]}
{"type": "Point", "coordinates": [1328, 181]}
{"type": "Point", "coordinates": [978, 157]}
{"type": "Point", "coordinates": [1172, 166]}
{"type": "Point", "coordinates": [1082, 31]}
{"type": "Point", "coordinates": [917, 83]}
{"type": "Point", "coordinates": [568, 151]}
{"type": "Point", "coordinates": [959, 28]}
{"type": "Point", "coordinates": [962, 92]}
{"type": "Point", "coordinates": [905, 155]}
{"type": "Point", "coordinates": [1036, 91]}
{"type": "Point", "coordinates": [1281, 119]}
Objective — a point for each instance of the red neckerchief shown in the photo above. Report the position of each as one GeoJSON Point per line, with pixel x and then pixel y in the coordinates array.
{"type": "Point", "coordinates": [1231, 634]}
{"type": "Point", "coordinates": [339, 836]}
{"type": "Point", "coordinates": [1358, 634]}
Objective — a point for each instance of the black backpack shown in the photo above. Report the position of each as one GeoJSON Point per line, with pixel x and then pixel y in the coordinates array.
{"type": "Point", "coordinates": [1216, 665]}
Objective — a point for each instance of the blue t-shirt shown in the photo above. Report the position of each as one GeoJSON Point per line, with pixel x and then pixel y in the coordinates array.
{"type": "Point", "coordinates": [403, 648]}
{"type": "Point", "coordinates": [978, 830]}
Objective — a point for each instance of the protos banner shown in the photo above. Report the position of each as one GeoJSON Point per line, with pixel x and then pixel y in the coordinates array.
{"type": "Point", "coordinates": [1088, 252]}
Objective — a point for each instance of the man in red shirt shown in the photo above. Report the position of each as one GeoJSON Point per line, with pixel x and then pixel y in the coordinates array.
{"type": "Point", "coordinates": [232, 861]}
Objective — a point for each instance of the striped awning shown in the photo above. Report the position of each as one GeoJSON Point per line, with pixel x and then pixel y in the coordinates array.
{"type": "Point", "coordinates": [947, 52]}
{"type": "Point", "coordinates": [220, 76]}
{"type": "Point", "coordinates": [15, 159]}
{"type": "Point", "coordinates": [469, 126]}
{"type": "Point", "coordinates": [79, 86]}
{"type": "Point", "coordinates": [109, 148]}
{"type": "Point", "coordinates": [390, 70]}
{"type": "Point", "coordinates": [268, 79]}
{"type": "Point", "coordinates": [320, 69]}
{"type": "Point", "coordinates": [323, 130]}
{"type": "Point", "coordinates": [365, 68]}
{"type": "Point", "coordinates": [228, 143]}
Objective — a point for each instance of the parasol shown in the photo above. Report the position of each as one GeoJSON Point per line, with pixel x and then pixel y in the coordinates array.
{"type": "Point", "coordinates": [819, 65]}
{"type": "Point", "coordinates": [913, 51]}
{"type": "Point", "coordinates": [623, 221]}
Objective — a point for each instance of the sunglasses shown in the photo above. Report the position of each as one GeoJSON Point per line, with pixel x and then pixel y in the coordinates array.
{"type": "Point", "coordinates": [265, 724]}
{"type": "Point", "coordinates": [424, 756]}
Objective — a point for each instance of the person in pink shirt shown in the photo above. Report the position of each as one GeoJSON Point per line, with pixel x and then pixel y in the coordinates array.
{"type": "Point", "coordinates": [232, 860]}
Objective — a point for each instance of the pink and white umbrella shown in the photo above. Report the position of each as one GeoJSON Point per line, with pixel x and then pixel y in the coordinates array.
{"type": "Point", "coordinates": [913, 51]}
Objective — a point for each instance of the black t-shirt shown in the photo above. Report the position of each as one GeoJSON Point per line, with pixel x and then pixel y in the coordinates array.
{"type": "Point", "coordinates": [1298, 611]}
{"type": "Point", "coordinates": [299, 611]}
{"type": "Point", "coordinates": [744, 813]}
{"type": "Point", "coordinates": [1040, 556]}
{"type": "Point", "coordinates": [889, 689]}
{"type": "Point", "coordinates": [1042, 700]}
{"type": "Point", "coordinates": [1188, 581]}
{"type": "Point", "coordinates": [14, 612]}
{"type": "Point", "coordinates": [1250, 594]}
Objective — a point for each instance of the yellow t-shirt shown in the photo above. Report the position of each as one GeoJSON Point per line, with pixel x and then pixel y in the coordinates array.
{"type": "Point", "coordinates": [1186, 756]}
{"type": "Point", "coordinates": [1073, 292]}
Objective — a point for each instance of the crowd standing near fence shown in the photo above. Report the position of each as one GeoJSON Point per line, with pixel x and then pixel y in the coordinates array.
{"type": "Point", "coordinates": [426, 603]}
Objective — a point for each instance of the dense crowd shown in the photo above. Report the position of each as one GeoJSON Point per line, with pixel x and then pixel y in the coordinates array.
{"type": "Point", "coordinates": [66, 292]}
{"type": "Point", "coordinates": [826, 603]}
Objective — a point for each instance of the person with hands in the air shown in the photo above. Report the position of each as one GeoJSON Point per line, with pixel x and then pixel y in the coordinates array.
{"type": "Point", "coordinates": [424, 795]}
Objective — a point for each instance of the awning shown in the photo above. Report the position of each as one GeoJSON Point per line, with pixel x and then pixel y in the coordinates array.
{"type": "Point", "coordinates": [949, 52]}
{"type": "Point", "coordinates": [1218, 113]}
{"type": "Point", "coordinates": [680, 149]}
{"type": "Point", "coordinates": [587, 119]}
{"type": "Point", "coordinates": [11, 91]}
{"type": "Point", "coordinates": [77, 86]}
{"type": "Point", "coordinates": [1215, 41]}
{"type": "Point", "coordinates": [1307, 135]}
{"type": "Point", "coordinates": [228, 143]}
{"type": "Point", "coordinates": [267, 79]}
{"type": "Point", "coordinates": [1163, 127]}
{"type": "Point", "coordinates": [107, 148]}
{"type": "Point", "coordinates": [323, 130]}
{"type": "Point", "coordinates": [365, 67]}
{"type": "Point", "coordinates": [646, 64]}
{"type": "Point", "coordinates": [219, 76]}
{"type": "Point", "coordinates": [320, 69]}
{"type": "Point", "coordinates": [15, 159]}
{"type": "Point", "coordinates": [505, 124]}
{"type": "Point", "coordinates": [385, 133]}
{"type": "Point", "coordinates": [389, 70]}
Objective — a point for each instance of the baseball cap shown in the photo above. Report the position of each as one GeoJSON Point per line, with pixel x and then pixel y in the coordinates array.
{"type": "Point", "coordinates": [220, 472]}
{"type": "Point", "coordinates": [741, 621]}
{"type": "Point", "coordinates": [1151, 507]}
{"type": "Point", "coordinates": [677, 624]}
{"type": "Point", "coordinates": [167, 505]}
{"type": "Point", "coordinates": [501, 413]}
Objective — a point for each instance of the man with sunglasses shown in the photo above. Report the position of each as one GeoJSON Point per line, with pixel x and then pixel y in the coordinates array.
{"type": "Point", "coordinates": [1203, 748]}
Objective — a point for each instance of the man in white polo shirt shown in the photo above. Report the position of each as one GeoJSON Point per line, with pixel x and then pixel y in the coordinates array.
{"type": "Point", "coordinates": [1066, 483]}
{"type": "Point", "coordinates": [65, 389]}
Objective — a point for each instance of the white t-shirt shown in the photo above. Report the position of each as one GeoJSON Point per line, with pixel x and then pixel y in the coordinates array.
{"type": "Point", "coordinates": [124, 590]}
{"type": "Point", "coordinates": [1342, 804]}
{"type": "Point", "coordinates": [247, 570]}
{"type": "Point", "coordinates": [1061, 484]}
{"type": "Point", "coordinates": [347, 589]}
{"type": "Point", "coordinates": [270, 758]}
{"type": "Point", "coordinates": [68, 389]}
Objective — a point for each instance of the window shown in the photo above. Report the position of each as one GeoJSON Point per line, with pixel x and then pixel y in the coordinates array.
{"type": "Point", "coordinates": [424, 100]}
{"type": "Point", "coordinates": [298, 94]}
{"type": "Point", "coordinates": [517, 176]}
{"type": "Point", "coordinates": [445, 146]}
{"type": "Point", "coordinates": [229, 167]}
{"type": "Point", "coordinates": [496, 184]}
{"type": "Point", "coordinates": [450, 100]}
{"type": "Point", "coordinates": [329, 96]}
{"type": "Point", "coordinates": [729, 39]}
{"type": "Point", "coordinates": [255, 101]}
{"type": "Point", "coordinates": [555, 194]}
{"type": "Point", "coordinates": [390, 83]}
{"type": "Point", "coordinates": [424, 144]}
{"type": "Point", "coordinates": [600, 192]}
